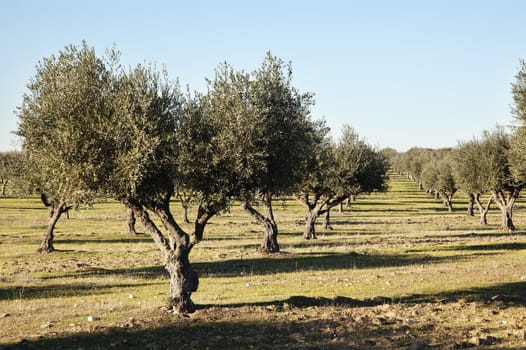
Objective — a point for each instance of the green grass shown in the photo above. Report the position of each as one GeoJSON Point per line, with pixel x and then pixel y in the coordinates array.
{"type": "Point", "coordinates": [398, 271]}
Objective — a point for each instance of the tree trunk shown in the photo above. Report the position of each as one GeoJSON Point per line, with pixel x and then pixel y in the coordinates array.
{"type": "Point", "coordinates": [185, 212]}
{"type": "Point", "coordinates": [327, 220]}
{"type": "Point", "coordinates": [340, 207]}
{"type": "Point", "coordinates": [471, 205]}
{"type": "Point", "coordinates": [270, 236]}
{"type": "Point", "coordinates": [448, 203]}
{"type": "Point", "coordinates": [483, 210]}
{"type": "Point", "coordinates": [506, 209]}
{"type": "Point", "coordinates": [183, 278]}
{"type": "Point", "coordinates": [507, 219]}
{"type": "Point", "coordinates": [4, 183]}
{"type": "Point", "coordinates": [183, 281]}
{"type": "Point", "coordinates": [131, 222]}
{"type": "Point", "coordinates": [54, 214]}
{"type": "Point", "coordinates": [310, 222]}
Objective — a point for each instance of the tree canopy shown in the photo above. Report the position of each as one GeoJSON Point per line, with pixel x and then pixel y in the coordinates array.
{"type": "Point", "coordinates": [60, 126]}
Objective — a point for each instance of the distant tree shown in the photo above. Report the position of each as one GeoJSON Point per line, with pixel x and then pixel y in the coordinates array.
{"type": "Point", "coordinates": [319, 191]}
{"type": "Point", "coordinates": [185, 197]}
{"type": "Point", "coordinates": [413, 162]}
{"type": "Point", "coordinates": [336, 172]}
{"type": "Point", "coordinates": [438, 176]}
{"type": "Point", "coordinates": [10, 168]}
{"type": "Point", "coordinates": [392, 156]}
{"type": "Point", "coordinates": [470, 176]}
{"type": "Point", "coordinates": [59, 123]}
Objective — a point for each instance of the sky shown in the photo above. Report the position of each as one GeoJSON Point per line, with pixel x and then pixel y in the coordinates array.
{"type": "Point", "coordinates": [401, 73]}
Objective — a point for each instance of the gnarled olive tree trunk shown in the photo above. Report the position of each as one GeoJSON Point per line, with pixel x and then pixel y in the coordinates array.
{"type": "Point", "coordinates": [319, 205]}
{"type": "Point", "coordinates": [131, 222]}
{"type": "Point", "coordinates": [471, 205]}
{"type": "Point", "coordinates": [310, 222]}
{"type": "Point", "coordinates": [55, 211]}
{"type": "Point", "coordinates": [175, 251]}
{"type": "Point", "coordinates": [327, 220]}
{"type": "Point", "coordinates": [483, 210]}
{"type": "Point", "coordinates": [270, 236]}
{"type": "Point", "coordinates": [447, 197]}
{"type": "Point", "coordinates": [3, 183]}
{"type": "Point", "coordinates": [505, 204]}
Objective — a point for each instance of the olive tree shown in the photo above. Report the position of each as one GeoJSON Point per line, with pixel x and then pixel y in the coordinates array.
{"type": "Point", "coordinates": [413, 162]}
{"type": "Point", "coordinates": [162, 140]}
{"type": "Point", "coordinates": [210, 144]}
{"type": "Point", "coordinates": [518, 140]}
{"type": "Point", "coordinates": [499, 181]}
{"type": "Point", "coordinates": [438, 176]}
{"type": "Point", "coordinates": [470, 177]}
{"type": "Point", "coordinates": [10, 168]}
{"type": "Point", "coordinates": [279, 123]}
{"type": "Point", "coordinates": [59, 124]}
{"type": "Point", "coordinates": [338, 171]}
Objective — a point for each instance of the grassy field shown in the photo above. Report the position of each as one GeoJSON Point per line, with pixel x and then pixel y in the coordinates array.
{"type": "Point", "coordinates": [397, 272]}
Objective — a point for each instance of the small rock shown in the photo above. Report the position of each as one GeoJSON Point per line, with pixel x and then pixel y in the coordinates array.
{"type": "Point", "coordinates": [47, 325]}
{"type": "Point", "coordinates": [130, 323]}
{"type": "Point", "coordinates": [7, 314]}
{"type": "Point", "coordinates": [93, 318]}
{"type": "Point", "coordinates": [131, 296]}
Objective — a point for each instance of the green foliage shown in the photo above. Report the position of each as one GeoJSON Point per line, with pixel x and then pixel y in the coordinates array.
{"type": "Point", "coordinates": [467, 167]}
{"type": "Point", "coordinates": [518, 89]}
{"type": "Point", "coordinates": [439, 176]}
{"type": "Point", "coordinates": [484, 165]}
{"type": "Point", "coordinates": [147, 110]}
{"type": "Point", "coordinates": [518, 140]}
{"type": "Point", "coordinates": [359, 167]}
{"type": "Point", "coordinates": [414, 160]}
{"type": "Point", "coordinates": [11, 169]}
{"type": "Point", "coordinates": [286, 127]}
{"type": "Point", "coordinates": [337, 171]}
{"type": "Point", "coordinates": [60, 125]}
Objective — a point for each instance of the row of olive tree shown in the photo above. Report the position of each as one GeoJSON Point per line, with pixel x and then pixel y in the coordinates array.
{"type": "Point", "coordinates": [482, 166]}
{"type": "Point", "coordinates": [91, 128]}
{"type": "Point", "coordinates": [492, 165]}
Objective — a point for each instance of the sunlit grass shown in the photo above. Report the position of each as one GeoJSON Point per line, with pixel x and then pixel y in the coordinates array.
{"type": "Point", "coordinates": [400, 247]}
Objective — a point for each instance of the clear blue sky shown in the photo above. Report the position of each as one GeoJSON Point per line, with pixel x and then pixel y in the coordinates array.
{"type": "Point", "coordinates": [402, 73]}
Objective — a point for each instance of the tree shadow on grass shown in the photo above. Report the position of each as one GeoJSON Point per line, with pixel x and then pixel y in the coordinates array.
{"type": "Point", "coordinates": [495, 234]}
{"type": "Point", "coordinates": [231, 335]}
{"type": "Point", "coordinates": [475, 247]}
{"type": "Point", "coordinates": [282, 263]}
{"type": "Point", "coordinates": [60, 290]}
{"type": "Point", "coordinates": [314, 262]}
{"type": "Point", "coordinates": [99, 240]}
{"type": "Point", "coordinates": [503, 295]}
